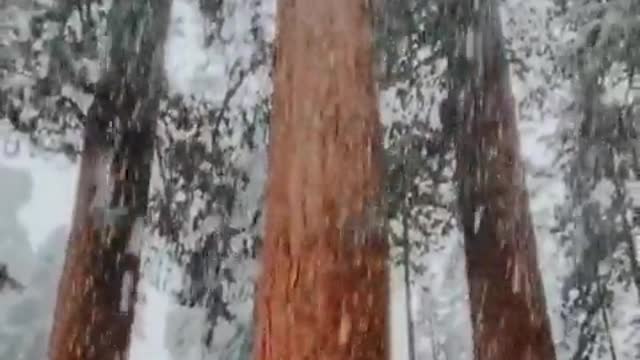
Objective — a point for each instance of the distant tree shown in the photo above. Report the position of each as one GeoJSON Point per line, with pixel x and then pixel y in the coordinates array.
{"type": "Point", "coordinates": [206, 207]}
{"type": "Point", "coordinates": [323, 291]}
{"type": "Point", "coordinates": [52, 53]}
{"type": "Point", "coordinates": [413, 40]}
{"type": "Point", "coordinates": [601, 157]}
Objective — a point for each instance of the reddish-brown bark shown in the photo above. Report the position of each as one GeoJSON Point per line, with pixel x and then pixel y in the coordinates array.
{"type": "Point", "coordinates": [508, 308]}
{"type": "Point", "coordinates": [323, 292]}
{"type": "Point", "coordinates": [96, 293]}
{"type": "Point", "coordinates": [90, 320]}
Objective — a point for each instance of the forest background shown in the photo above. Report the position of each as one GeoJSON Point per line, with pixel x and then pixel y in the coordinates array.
{"type": "Point", "coordinates": [572, 67]}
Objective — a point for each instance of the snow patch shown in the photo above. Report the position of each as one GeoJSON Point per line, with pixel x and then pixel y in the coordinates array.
{"type": "Point", "coordinates": [149, 327]}
{"type": "Point", "coordinates": [53, 182]}
{"type": "Point", "coordinates": [126, 291]}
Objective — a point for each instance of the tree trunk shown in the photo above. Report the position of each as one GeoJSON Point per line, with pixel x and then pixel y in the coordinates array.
{"type": "Point", "coordinates": [406, 259]}
{"type": "Point", "coordinates": [408, 294]}
{"type": "Point", "coordinates": [96, 293]}
{"type": "Point", "coordinates": [324, 287]}
{"type": "Point", "coordinates": [508, 308]}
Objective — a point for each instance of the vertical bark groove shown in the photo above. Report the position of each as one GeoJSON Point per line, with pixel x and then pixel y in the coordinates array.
{"type": "Point", "coordinates": [324, 289]}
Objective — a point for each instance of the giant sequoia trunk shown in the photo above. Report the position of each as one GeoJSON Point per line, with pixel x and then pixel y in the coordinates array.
{"type": "Point", "coordinates": [323, 291]}
{"type": "Point", "coordinates": [509, 318]}
{"type": "Point", "coordinates": [96, 294]}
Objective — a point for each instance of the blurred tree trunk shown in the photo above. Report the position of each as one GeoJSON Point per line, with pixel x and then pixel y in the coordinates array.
{"type": "Point", "coordinates": [406, 260]}
{"type": "Point", "coordinates": [96, 293]}
{"type": "Point", "coordinates": [508, 307]}
{"type": "Point", "coordinates": [324, 287]}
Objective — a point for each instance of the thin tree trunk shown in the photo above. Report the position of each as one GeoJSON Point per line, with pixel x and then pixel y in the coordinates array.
{"type": "Point", "coordinates": [411, 342]}
{"type": "Point", "coordinates": [508, 307]}
{"type": "Point", "coordinates": [324, 288]}
{"type": "Point", "coordinates": [605, 321]}
{"type": "Point", "coordinates": [631, 249]}
{"type": "Point", "coordinates": [96, 293]}
{"type": "Point", "coordinates": [406, 255]}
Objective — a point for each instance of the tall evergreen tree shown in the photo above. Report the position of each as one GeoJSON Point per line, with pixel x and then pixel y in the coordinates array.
{"type": "Point", "coordinates": [52, 56]}
{"type": "Point", "coordinates": [601, 155]}
{"type": "Point", "coordinates": [411, 37]}
{"type": "Point", "coordinates": [323, 290]}
{"type": "Point", "coordinates": [206, 201]}
{"type": "Point", "coordinates": [96, 294]}
{"type": "Point", "coordinates": [508, 308]}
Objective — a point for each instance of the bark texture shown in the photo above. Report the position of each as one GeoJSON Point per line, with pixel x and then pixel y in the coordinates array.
{"type": "Point", "coordinates": [96, 293]}
{"type": "Point", "coordinates": [324, 287]}
{"type": "Point", "coordinates": [508, 308]}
